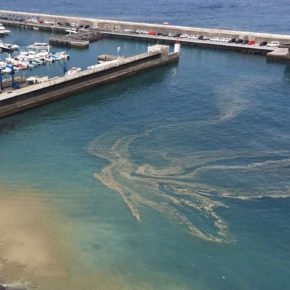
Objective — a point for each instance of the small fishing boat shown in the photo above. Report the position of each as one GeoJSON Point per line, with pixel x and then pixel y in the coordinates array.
{"type": "Point", "coordinates": [7, 47]}
{"type": "Point", "coordinates": [73, 70]}
{"type": "Point", "coordinates": [3, 31]}
{"type": "Point", "coordinates": [36, 80]}
{"type": "Point", "coordinates": [72, 30]}
{"type": "Point", "coordinates": [39, 46]}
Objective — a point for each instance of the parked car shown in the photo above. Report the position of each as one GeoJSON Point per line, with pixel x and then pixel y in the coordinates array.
{"type": "Point", "coordinates": [224, 39]}
{"type": "Point", "coordinates": [152, 33]}
{"type": "Point", "coordinates": [251, 42]}
{"type": "Point", "coordinates": [193, 37]}
{"type": "Point", "coordinates": [33, 20]}
{"type": "Point", "coordinates": [184, 35]}
{"type": "Point", "coordinates": [239, 41]}
{"type": "Point", "coordinates": [245, 41]}
{"type": "Point", "coordinates": [263, 43]}
{"type": "Point", "coordinates": [273, 44]}
{"type": "Point", "coordinates": [206, 38]}
{"type": "Point", "coordinates": [232, 40]}
{"type": "Point", "coordinates": [214, 39]}
{"type": "Point", "coordinates": [200, 37]}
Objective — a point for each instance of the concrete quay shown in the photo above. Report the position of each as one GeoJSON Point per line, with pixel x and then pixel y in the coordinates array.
{"type": "Point", "coordinates": [78, 40]}
{"type": "Point", "coordinates": [15, 101]}
{"type": "Point", "coordinates": [280, 54]}
{"type": "Point", "coordinates": [251, 49]}
{"type": "Point", "coordinates": [119, 26]}
{"type": "Point", "coordinates": [116, 29]}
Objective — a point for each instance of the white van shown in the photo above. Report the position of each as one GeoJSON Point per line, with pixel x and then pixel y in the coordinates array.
{"type": "Point", "coordinates": [273, 44]}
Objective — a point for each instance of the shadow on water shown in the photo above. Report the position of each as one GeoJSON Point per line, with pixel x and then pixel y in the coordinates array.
{"type": "Point", "coordinates": [80, 103]}
{"type": "Point", "coordinates": [7, 126]}
{"type": "Point", "coordinates": [287, 72]}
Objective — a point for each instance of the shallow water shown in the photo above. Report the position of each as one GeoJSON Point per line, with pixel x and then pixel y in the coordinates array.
{"type": "Point", "coordinates": [177, 178]}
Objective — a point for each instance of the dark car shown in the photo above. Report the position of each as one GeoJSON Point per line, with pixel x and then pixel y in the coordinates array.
{"type": "Point", "coordinates": [263, 43]}
{"type": "Point", "coordinates": [200, 37]}
{"type": "Point", "coordinates": [177, 35]}
{"type": "Point", "coordinates": [87, 26]}
{"type": "Point", "coordinates": [233, 40]}
{"type": "Point", "coordinates": [239, 40]}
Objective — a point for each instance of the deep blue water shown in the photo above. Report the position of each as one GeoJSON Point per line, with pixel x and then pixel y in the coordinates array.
{"type": "Point", "coordinates": [258, 15]}
{"type": "Point", "coordinates": [198, 150]}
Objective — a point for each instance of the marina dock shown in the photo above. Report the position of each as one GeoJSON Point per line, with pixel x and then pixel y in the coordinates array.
{"type": "Point", "coordinates": [113, 68]}
{"type": "Point", "coordinates": [119, 29]}
{"type": "Point", "coordinates": [14, 101]}
{"type": "Point", "coordinates": [78, 40]}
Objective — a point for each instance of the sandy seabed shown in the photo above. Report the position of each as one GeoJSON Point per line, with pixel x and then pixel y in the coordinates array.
{"type": "Point", "coordinates": [37, 250]}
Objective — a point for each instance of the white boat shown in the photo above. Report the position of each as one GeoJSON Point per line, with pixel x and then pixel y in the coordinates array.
{"type": "Point", "coordinates": [73, 70]}
{"type": "Point", "coordinates": [36, 80]}
{"type": "Point", "coordinates": [39, 46]}
{"type": "Point", "coordinates": [93, 66]}
{"type": "Point", "coordinates": [72, 31]}
{"type": "Point", "coordinates": [3, 31]}
{"type": "Point", "coordinates": [7, 47]}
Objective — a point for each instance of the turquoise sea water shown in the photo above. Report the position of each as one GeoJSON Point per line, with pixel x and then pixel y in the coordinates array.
{"type": "Point", "coordinates": [177, 178]}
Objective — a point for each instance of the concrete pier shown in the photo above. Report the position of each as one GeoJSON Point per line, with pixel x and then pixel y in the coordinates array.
{"type": "Point", "coordinates": [118, 29]}
{"type": "Point", "coordinates": [281, 54]}
{"type": "Point", "coordinates": [68, 42]}
{"type": "Point", "coordinates": [120, 26]}
{"type": "Point", "coordinates": [251, 49]}
{"type": "Point", "coordinates": [14, 101]}
{"type": "Point", "coordinates": [81, 39]}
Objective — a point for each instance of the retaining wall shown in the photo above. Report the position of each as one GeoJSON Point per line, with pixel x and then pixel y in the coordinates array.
{"type": "Point", "coordinates": [114, 25]}
{"type": "Point", "coordinates": [62, 87]}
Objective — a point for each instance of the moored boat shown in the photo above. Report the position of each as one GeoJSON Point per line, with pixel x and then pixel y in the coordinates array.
{"type": "Point", "coordinates": [73, 70]}
{"type": "Point", "coordinates": [3, 31]}
{"type": "Point", "coordinates": [7, 47]}
{"type": "Point", "coordinates": [39, 46]}
{"type": "Point", "coordinates": [36, 80]}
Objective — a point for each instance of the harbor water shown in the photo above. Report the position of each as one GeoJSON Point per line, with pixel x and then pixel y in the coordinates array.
{"type": "Point", "coordinates": [176, 178]}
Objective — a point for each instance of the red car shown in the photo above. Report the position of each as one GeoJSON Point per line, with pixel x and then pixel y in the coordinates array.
{"type": "Point", "coordinates": [251, 42]}
{"type": "Point", "coordinates": [152, 33]}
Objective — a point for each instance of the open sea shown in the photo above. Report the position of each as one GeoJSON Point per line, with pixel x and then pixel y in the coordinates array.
{"type": "Point", "coordinates": [175, 179]}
